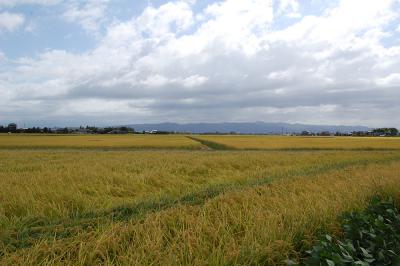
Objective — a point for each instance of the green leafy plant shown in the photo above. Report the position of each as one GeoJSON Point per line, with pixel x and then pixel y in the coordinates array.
{"type": "Point", "coordinates": [371, 237]}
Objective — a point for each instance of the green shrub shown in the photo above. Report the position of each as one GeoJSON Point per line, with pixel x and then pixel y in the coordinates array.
{"type": "Point", "coordinates": [371, 237]}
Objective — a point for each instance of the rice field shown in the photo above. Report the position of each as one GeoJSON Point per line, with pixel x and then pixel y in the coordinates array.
{"type": "Point", "coordinates": [173, 206]}
{"type": "Point", "coordinates": [253, 142]}
{"type": "Point", "coordinates": [127, 141]}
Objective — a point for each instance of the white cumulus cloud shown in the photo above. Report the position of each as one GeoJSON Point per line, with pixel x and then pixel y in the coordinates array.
{"type": "Point", "coordinates": [10, 21]}
{"type": "Point", "coordinates": [89, 14]}
{"type": "Point", "coordinates": [226, 62]}
{"type": "Point", "coordinates": [12, 3]}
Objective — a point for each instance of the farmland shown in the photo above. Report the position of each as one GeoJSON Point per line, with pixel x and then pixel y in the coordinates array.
{"type": "Point", "coordinates": [302, 143]}
{"type": "Point", "coordinates": [138, 200]}
{"type": "Point", "coordinates": [96, 141]}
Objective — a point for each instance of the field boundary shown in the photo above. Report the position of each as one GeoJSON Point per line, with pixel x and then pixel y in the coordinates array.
{"type": "Point", "coordinates": [212, 145]}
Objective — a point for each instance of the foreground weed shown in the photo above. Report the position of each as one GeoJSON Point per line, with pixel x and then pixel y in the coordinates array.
{"type": "Point", "coordinates": [370, 237]}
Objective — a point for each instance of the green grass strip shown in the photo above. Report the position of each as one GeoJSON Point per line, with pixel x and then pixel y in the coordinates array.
{"type": "Point", "coordinates": [211, 144]}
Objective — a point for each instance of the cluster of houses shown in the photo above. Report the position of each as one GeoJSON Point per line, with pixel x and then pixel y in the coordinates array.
{"type": "Point", "coordinates": [378, 132]}
{"type": "Point", "coordinates": [92, 130]}
{"type": "Point", "coordinates": [309, 133]}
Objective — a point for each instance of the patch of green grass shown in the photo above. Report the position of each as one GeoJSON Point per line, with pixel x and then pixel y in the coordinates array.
{"type": "Point", "coordinates": [212, 144]}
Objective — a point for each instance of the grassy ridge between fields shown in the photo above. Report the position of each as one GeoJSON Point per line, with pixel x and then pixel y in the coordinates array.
{"type": "Point", "coordinates": [211, 144]}
{"type": "Point", "coordinates": [259, 224]}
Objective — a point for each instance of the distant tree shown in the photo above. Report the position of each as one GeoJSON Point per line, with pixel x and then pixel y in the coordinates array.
{"type": "Point", "coordinates": [386, 131]}
{"type": "Point", "coordinates": [160, 132]}
{"type": "Point", "coordinates": [106, 130]}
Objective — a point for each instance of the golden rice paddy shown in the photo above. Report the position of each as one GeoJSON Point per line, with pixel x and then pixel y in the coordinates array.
{"type": "Point", "coordinates": [97, 141]}
{"type": "Point", "coordinates": [180, 205]}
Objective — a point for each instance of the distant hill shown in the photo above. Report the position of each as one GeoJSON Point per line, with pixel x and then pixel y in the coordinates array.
{"type": "Point", "coordinates": [245, 128]}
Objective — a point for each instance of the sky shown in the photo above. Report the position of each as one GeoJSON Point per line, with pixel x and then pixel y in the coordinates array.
{"type": "Point", "coordinates": [113, 62]}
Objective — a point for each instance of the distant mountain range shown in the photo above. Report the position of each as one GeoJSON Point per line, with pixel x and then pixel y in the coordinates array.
{"type": "Point", "coordinates": [245, 128]}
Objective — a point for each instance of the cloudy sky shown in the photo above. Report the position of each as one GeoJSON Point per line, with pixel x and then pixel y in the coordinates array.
{"type": "Point", "coordinates": [73, 62]}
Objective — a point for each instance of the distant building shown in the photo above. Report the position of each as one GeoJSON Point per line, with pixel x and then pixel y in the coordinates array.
{"type": "Point", "coordinates": [325, 133]}
{"type": "Point", "coordinates": [61, 130]}
{"type": "Point", "coordinates": [12, 127]}
{"type": "Point", "coordinates": [306, 133]}
{"type": "Point", "coordinates": [83, 131]}
{"type": "Point", "coordinates": [117, 131]}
